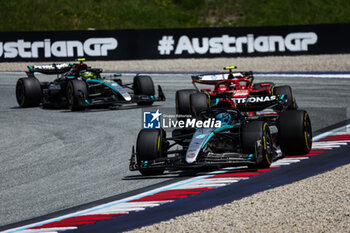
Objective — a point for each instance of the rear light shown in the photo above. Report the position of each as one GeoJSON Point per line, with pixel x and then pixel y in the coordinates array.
{"type": "Point", "coordinates": [265, 84]}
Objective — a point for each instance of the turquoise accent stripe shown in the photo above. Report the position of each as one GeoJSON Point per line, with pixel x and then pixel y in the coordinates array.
{"type": "Point", "coordinates": [99, 81]}
{"type": "Point", "coordinates": [224, 128]}
{"type": "Point", "coordinates": [145, 164]}
{"type": "Point", "coordinates": [253, 117]}
{"type": "Point", "coordinates": [94, 81]}
{"type": "Point", "coordinates": [208, 138]}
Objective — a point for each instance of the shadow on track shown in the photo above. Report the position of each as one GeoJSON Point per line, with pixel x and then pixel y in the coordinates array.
{"type": "Point", "coordinates": [170, 174]}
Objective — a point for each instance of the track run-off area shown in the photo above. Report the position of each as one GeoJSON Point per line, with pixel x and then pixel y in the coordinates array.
{"type": "Point", "coordinates": [63, 170]}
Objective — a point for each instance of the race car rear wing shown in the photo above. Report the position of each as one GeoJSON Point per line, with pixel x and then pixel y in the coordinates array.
{"type": "Point", "coordinates": [51, 68]}
{"type": "Point", "coordinates": [215, 77]}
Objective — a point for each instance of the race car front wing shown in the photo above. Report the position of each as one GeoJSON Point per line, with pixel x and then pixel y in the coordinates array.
{"type": "Point", "coordinates": [179, 162]}
{"type": "Point", "coordinates": [141, 98]}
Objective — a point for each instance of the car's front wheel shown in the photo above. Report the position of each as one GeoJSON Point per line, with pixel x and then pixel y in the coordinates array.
{"type": "Point", "coordinates": [198, 103]}
{"type": "Point", "coordinates": [256, 139]}
{"type": "Point", "coordinates": [149, 147]}
{"type": "Point", "coordinates": [76, 94]}
{"type": "Point", "coordinates": [143, 85]}
{"type": "Point", "coordinates": [182, 101]}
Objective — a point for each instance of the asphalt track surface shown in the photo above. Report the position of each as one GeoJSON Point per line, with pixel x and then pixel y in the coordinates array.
{"type": "Point", "coordinates": [52, 160]}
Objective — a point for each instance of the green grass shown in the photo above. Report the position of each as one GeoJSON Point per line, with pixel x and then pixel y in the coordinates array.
{"type": "Point", "coordinates": [25, 15]}
{"type": "Point", "coordinates": [291, 12]}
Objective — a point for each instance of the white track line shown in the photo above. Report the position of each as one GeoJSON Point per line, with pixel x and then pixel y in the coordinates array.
{"type": "Point", "coordinates": [53, 229]}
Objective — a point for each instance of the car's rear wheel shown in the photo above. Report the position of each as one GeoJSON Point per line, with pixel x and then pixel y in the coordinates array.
{"type": "Point", "coordinates": [198, 103]}
{"type": "Point", "coordinates": [28, 92]}
{"type": "Point", "coordinates": [149, 147]}
{"type": "Point", "coordinates": [256, 139]}
{"type": "Point", "coordinates": [294, 132]}
{"type": "Point", "coordinates": [143, 85]}
{"type": "Point", "coordinates": [76, 94]}
{"type": "Point", "coordinates": [287, 91]}
{"type": "Point", "coordinates": [182, 101]}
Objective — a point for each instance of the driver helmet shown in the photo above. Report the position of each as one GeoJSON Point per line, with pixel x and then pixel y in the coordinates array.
{"type": "Point", "coordinates": [224, 117]}
{"type": "Point", "coordinates": [232, 86]}
{"type": "Point", "coordinates": [88, 75]}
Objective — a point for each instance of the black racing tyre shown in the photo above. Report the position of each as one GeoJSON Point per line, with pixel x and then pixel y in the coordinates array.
{"type": "Point", "coordinates": [143, 85]}
{"type": "Point", "coordinates": [149, 146]}
{"type": "Point", "coordinates": [76, 93]}
{"type": "Point", "coordinates": [198, 103]}
{"type": "Point", "coordinates": [294, 132]}
{"type": "Point", "coordinates": [253, 132]}
{"type": "Point", "coordinates": [286, 90]}
{"type": "Point", "coordinates": [28, 92]}
{"type": "Point", "coordinates": [182, 101]}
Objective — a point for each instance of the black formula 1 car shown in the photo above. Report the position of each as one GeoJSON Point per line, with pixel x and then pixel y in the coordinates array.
{"type": "Point", "coordinates": [240, 139]}
{"type": "Point", "coordinates": [78, 86]}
